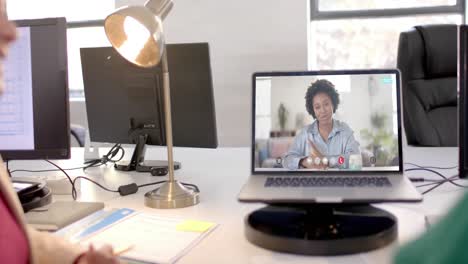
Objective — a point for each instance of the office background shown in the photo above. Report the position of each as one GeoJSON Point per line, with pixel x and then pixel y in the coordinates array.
{"type": "Point", "coordinates": [361, 97]}
{"type": "Point", "coordinates": [262, 35]}
{"type": "Point", "coordinates": [244, 37]}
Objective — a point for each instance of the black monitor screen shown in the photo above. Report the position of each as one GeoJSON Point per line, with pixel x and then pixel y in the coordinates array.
{"type": "Point", "coordinates": [34, 119]}
{"type": "Point", "coordinates": [123, 100]}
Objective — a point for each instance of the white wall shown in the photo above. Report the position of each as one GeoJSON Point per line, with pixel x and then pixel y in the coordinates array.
{"type": "Point", "coordinates": [354, 107]}
{"type": "Point", "coordinates": [290, 92]}
{"type": "Point", "coordinates": [244, 36]}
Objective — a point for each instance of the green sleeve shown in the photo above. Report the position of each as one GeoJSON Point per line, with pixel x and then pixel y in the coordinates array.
{"type": "Point", "coordinates": [446, 242]}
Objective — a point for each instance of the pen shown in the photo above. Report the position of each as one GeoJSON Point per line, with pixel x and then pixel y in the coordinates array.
{"type": "Point", "coordinates": [121, 250]}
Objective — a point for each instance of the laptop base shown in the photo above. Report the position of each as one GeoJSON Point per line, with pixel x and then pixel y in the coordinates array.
{"type": "Point", "coordinates": [321, 229]}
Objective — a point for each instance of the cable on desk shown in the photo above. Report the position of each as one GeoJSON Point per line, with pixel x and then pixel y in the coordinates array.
{"type": "Point", "coordinates": [108, 157]}
{"type": "Point", "coordinates": [413, 179]}
{"type": "Point", "coordinates": [95, 182]}
{"type": "Point", "coordinates": [431, 167]}
{"type": "Point", "coordinates": [68, 177]}
{"type": "Point", "coordinates": [432, 188]}
{"type": "Point", "coordinates": [439, 183]}
{"type": "Point", "coordinates": [453, 178]}
{"type": "Point", "coordinates": [93, 163]}
{"type": "Point", "coordinates": [127, 189]}
{"type": "Point", "coordinates": [123, 189]}
{"type": "Point", "coordinates": [72, 182]}
{"type": "Point", "coordinates": [191, 186]}
{"type": "Point", "coordinates": [151, 183]}
{"type": "Point", "coordinates": [430, 170]}
{"type": "Point", "coordinates": [49, 170]}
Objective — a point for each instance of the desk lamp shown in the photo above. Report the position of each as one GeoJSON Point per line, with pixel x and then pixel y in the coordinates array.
{"type": "Point", "coordinates": [136, 32]}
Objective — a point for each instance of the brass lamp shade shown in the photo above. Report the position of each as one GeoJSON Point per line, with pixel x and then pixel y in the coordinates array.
{"type": "Point", "coordinates": [137, 34]}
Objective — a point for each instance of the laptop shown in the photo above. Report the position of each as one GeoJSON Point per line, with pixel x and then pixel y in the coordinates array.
{"type": "Point", "coordinates": [327, 137]}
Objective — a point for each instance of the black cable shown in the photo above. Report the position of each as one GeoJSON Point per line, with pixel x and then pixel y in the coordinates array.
{"type": "Point", "coordinates": [431, 167]}
{"type": "Point", "coordinates": [194, 187]}
{"type": "Point", "coordinates": [412, 179]}
{"type": "Point", "coordinates": [50, 170]}
{"type": "Point", "coordinates": [93, 163]}
{"type": "Point", "coordinates": [438, 181]}
{"type": "Point", "coordinates": [432, 188]}
{"type": "Point", "coordinates": [108, 157]}
{"type": "Point", "coordinates": [433, 171]}
{"type": "Point", "coordinates": [74, 192]}
{"type": "Point", "coordinates": [98, 184]}
{"type": "Point", "coordinates": [436, 184]}
{"type": "Point", "coordinates": [151, 183]}
{"type": "Point", "coordinates": [72, 182]}
{"type": "Point", "coordinates": [68, 176]}
{"type": "Point", "coordinates": [118, 147]}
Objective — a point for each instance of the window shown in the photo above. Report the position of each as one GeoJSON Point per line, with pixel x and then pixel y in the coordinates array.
{"type": "Point", "coordinates": [352, 34]}
{"type": "Point", "coordinates": [340, 5]}
{"type": "Point", "coordinates": [81, 37]}
{"type": "Point", "coordinates": [263, 108]}
{"type": "Point", "coordinates": [84, 19]}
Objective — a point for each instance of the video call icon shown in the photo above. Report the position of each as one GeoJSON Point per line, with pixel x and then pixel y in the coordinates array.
{"type": "Point", "coordinates": [341, 160]}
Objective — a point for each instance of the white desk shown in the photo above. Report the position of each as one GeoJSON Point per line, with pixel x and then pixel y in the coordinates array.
{"type": "Point", "coordinates": [220, 174]}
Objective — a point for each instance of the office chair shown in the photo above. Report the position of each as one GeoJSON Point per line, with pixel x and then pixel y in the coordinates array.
{"type": "Point", "coordinates": [427, 59]}
{"type": "Point", "coordinates": [79, 133]}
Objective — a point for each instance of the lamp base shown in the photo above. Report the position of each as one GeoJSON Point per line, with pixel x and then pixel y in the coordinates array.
{"type": "Point", "coordinates": [171, 195]}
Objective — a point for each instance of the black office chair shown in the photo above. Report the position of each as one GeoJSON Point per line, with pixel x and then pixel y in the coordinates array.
{"type": "Point", "coordinates": [427, 59]}
{"type": "Point", "coordinates": [79, 134]}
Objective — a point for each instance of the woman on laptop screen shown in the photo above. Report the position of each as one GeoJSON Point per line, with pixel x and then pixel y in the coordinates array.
{"type": "Point", "coordinates": [326, 142]}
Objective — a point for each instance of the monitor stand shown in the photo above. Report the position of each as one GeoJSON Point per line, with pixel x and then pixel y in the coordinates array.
{"type": "Point", "coordinates": [138, 163]}
{"type": "Point", "coordinates": [321, 229]}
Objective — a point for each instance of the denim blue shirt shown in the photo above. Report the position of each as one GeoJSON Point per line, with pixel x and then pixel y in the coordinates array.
{"type": "Point", "coordinates": [340, 141]}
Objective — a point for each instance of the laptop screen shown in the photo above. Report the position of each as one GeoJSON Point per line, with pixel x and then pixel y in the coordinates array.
{"type": "Point", "coordinates": [345, 121]}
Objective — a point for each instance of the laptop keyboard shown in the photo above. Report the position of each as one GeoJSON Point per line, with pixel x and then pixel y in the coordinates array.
{"type": "Point", "coordinates": [342, 181]}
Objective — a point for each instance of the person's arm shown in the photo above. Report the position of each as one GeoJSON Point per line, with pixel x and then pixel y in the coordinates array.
{"type": "Point", "coordinates": [352, 145]}
{"type": "Point", "coordinates": [46, 248]}
{"type": "Point", "coordinates": [338, 161]}
{"type": "Point", "coordinates": [451, 229]}
{"type": "Point", "coordinates": [296, 158]}
{"type": "Point", "coordinates": [293, 157]}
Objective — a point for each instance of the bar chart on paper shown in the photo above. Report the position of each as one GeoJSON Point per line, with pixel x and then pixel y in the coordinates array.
{"type": "Point", "coordinates": [16, 107]}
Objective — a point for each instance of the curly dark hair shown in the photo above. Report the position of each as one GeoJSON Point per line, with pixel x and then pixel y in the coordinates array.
{"type": "Point", "coordinates": [321, 86]}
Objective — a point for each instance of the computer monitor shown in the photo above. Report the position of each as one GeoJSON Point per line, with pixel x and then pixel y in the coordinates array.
{"type": "Point", "coordinates": [463, 100]}
{"type": "Point", "coordinates": [124, 102]}
{"type": "Point", "coordinates": [34, 112]}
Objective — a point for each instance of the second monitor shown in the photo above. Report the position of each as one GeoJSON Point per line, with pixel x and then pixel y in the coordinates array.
{"type": "Point", "coordinates": [124, 102]}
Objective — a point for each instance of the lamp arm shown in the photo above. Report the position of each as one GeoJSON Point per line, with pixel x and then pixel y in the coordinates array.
{"type": "Point", "coordinates": [167, 116]}
{"type": "Point", "coordinates": [160, 7]}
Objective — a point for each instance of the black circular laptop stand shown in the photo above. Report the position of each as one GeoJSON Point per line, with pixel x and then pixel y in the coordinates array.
{"type": "Point", "coordinates": [321, 229]}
